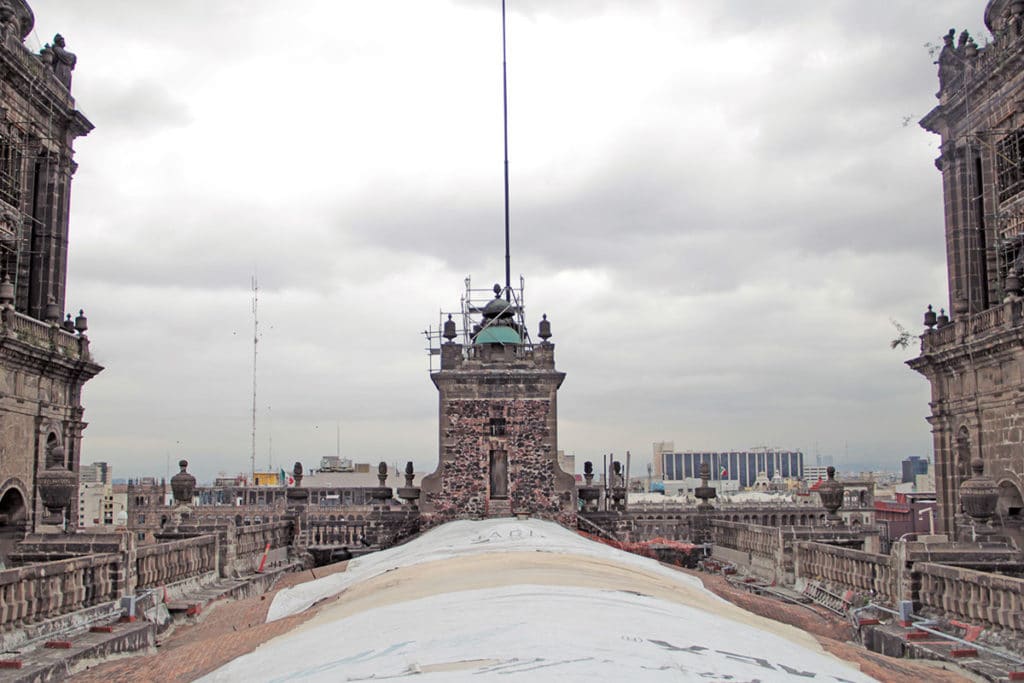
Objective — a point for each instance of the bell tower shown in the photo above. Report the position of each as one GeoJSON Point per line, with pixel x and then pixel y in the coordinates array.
{"type": "Point", "coordinates": [498, 422]}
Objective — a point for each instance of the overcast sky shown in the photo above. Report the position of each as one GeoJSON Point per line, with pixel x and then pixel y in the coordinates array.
{"type": "Point", "coordinates": [719, 206]}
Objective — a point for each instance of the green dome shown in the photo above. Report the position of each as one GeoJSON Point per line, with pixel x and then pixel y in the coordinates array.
{"type": "Point", "coordinates": [498, 334]}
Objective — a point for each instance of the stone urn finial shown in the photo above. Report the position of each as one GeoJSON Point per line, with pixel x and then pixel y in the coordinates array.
{"type": "Point", "coordinates": [831, 494]}
{"type": "Point", "coordinates": [545, 328]}
{"type": "Point", "coordinates": [588, 493]}
{"type": "Point", "coordinates": [409, 493]}
{"type": "Point", "coordinates": [183, 485]}
{"type": "Point", "coordinates": [381, 493]}
{"type": "Point", "coordinates": [979, 494]}
{"type": "Point", "coordinates": [704, 492]}
{"type": "Point", "coordinates": [57, 488]}
{"type": "Point", "coordinates": [297, 473]}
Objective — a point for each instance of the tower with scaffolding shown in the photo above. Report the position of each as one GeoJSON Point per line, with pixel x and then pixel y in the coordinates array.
{"type": "Point", "coordinates": [44, 357]}
{"type": "Point", "coordinates": [498, 423]}
{"type": "Point", "coordinates": [974, 356]}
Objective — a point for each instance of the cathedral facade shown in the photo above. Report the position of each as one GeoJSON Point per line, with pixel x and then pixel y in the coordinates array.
{"type": "Point", "coordinates": [44, 356]}
{"type": "Point", "coordinates": [973, 356]}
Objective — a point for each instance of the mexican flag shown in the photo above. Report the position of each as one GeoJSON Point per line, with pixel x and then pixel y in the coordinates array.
{"type": "Point", "coordinates": [723, 473]}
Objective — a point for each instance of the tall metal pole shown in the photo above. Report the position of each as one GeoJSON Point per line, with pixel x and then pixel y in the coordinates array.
{"type": "Point", "coordinates": [255, 341]}
{"type": "Point", "coordinates": [504, 104]}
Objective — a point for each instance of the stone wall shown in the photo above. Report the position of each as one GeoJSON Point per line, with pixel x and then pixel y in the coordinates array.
{"type": "Point", "coordinates": [465, 482]}
{"type": "Point", "coordinates": [498, 402]}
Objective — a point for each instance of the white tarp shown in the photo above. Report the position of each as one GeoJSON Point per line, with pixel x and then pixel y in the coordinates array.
{"type": "Point", "coordinates": [460, 539]}
{"type": "Point", "coordinates": [531, 601]}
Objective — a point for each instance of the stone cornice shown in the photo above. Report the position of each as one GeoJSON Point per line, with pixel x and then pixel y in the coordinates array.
{"type": "Point", "coordinates": [30, 357]}
{"type": "Point", "coordinates": [29, 77]}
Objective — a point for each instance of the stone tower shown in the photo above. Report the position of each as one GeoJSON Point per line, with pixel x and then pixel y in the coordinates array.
{"type": "Point", "coordinates": [498, 420]}
{"type": "Point", "coordinates": [974, 357]}
{"type": "Point", "coordinates": [44, 360]}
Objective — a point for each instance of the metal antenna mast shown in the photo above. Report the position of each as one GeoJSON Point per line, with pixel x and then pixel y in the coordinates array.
{"type": "Point", "coordinates": [504, 103]}
{"type": "Point", "coordinates": [255, 341]}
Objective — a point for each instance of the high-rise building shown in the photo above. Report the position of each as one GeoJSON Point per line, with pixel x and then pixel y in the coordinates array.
{"type": "Point", "coordinates": [974, 357]}
{"type": "Point", "coordinates": [96, 473]}
{"type": "Point", "coordinates": [913, 466]}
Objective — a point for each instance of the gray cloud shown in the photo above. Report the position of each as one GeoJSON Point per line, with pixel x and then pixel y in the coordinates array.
{"type": "Point", "coordinates": [718, 206]}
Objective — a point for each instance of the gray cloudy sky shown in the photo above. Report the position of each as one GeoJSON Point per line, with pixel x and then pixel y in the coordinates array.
{"type": "Point", "coordinates": [719, 206]}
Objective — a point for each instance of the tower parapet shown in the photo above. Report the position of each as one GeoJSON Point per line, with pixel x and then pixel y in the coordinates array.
{"type": "Point", "coordinates": [498, 426]}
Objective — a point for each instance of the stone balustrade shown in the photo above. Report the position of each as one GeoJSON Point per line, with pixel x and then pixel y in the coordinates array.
{"type": "Point", "coordinates": [1009, 314]}
{"type": "Point", "coordinates": [970, 595]}
{"type": "Point", "coordinates": [49, 589]}
{"type": "Point", "coordinates": [163, 563]}
{"type": "Point", "coordinates": [848, 569]}
{"type": "Point", "coordinates": [323, 532]}
{"type": "Point", "coordinates": [43, 334]}
{"type": "Point", "coordinates": [254, 538]}
{"type": "Point", "coordinates": [759, 541]}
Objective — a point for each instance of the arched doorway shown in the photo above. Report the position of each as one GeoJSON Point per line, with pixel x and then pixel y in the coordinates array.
{"type": "Point", "coordinates": [13, 515]}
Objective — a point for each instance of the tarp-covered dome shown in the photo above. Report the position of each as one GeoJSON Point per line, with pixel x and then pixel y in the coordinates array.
{"type": "Point", "coordinates": [525, 600]}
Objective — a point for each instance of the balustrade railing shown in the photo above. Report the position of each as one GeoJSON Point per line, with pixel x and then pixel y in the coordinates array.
{"type": "Point", "coordinates": [988, 319]}
{"type": "Point", "coordinates": [847, 568]}
{"type": "Point", "coordinates": [761, 541]}
{"type": "Point", "coordinates": [336, 532]}
{"type": "Point", "coordinates": [163, 563]}
{"type": "Point", "coordinates": [993, 599]}
{"type": "Point", "coordinates": [39, 333]}
{"type": "Point", "coordinates": [254, 539]}
{"type": "Point", "coordinates": [46, 590]}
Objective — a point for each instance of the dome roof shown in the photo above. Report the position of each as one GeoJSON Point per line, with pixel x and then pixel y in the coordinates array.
{"type": "Point", "coordinates": [498, 307]}
{"type": "Point", "coordinates": [498, 334]}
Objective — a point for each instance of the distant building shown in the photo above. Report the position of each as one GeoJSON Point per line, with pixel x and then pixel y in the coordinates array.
{"type": "Point", "coordinates": [907, 514]}
{"type": "Point", "coordinates": [813, 473]}
{"type": "Point", "coordinates": [739, 466]}
{"type": "Point", "coordinates": [913, 466]}
{"type": "Point", "coordinates": [102, 506]}
{"type": "Point", "coordinates": [96, 473]}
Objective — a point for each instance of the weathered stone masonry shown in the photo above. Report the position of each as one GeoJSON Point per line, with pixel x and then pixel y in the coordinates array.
{"type": "Point", "coordinates": [973, 357]}
{"type": "Point", "coordinates": [498, 434]}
